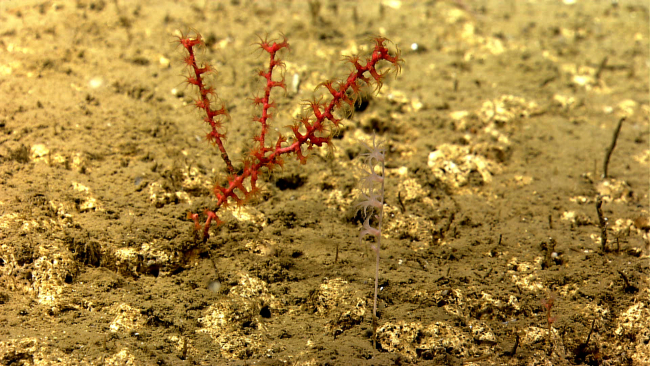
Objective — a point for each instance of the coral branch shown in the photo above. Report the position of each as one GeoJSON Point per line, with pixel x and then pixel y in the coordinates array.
{"type": "Point", "coordinates": [321, 113]}
{"type": "Point", "coordinates": [212, 116]}
{"type": "Point", "coordinates": [265, 101]}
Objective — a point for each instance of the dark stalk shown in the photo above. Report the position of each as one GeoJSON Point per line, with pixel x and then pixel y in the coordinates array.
{"type": "Point", "coordinates": [611, 147]}
{"type": "Point", "coordinates": [602, 223]}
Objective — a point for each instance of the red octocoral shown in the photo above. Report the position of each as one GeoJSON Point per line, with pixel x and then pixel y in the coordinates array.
{"type": "Point", "coordinates": [315, 132]}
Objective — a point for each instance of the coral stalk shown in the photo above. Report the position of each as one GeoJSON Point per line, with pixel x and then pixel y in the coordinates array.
{"type": "Point", "coordinates": [372, 190]}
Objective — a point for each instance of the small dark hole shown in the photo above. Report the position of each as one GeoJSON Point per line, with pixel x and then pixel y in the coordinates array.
{"type": "Point", "coordinates": [265, 312]}
{"type": "Point", "coordinates": [154, 270]}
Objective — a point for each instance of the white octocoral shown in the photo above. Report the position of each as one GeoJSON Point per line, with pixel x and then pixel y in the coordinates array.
{"type": "Point", "coordinates": [372, 189]}
{"type": "Point", "coordinates": [366, 229]}
{"type": "Point", "coordinates": [371, 200]}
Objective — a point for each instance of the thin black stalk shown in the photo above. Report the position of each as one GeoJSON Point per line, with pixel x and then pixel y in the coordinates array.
{"type": "Point", "coordinates": [611, 147]}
